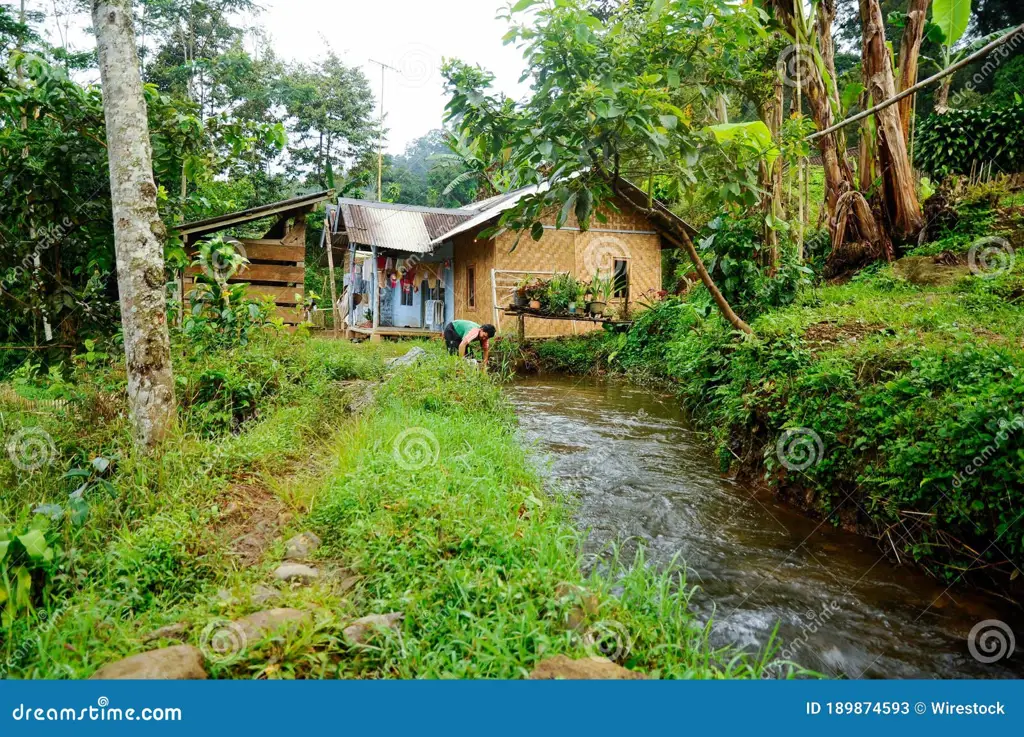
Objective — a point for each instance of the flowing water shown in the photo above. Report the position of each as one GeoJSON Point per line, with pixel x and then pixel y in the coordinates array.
{"type": "Point", "coordinates": [843, 609]}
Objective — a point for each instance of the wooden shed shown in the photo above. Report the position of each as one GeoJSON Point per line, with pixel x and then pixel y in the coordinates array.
{"type": "Point", "coordinates": [276, 259]}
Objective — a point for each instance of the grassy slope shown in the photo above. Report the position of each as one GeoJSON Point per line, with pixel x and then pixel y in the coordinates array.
{"type": "Point", "coordinates": [481, 560]}
{"type": "Point", "coordinates": [905, 385]}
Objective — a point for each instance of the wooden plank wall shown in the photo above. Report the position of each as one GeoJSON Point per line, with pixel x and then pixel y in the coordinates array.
{"type": "Point", "coordinates": [276, 269]}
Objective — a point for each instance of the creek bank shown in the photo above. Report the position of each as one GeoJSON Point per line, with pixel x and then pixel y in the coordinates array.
{"type": "Point", "coordinates": [885, 407]}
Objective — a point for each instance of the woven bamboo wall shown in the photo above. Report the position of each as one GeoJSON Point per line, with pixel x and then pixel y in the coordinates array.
{"type": "Point", "coordinates": [580, 254]}
{"type": "Point", "coordinates": [480, 255]}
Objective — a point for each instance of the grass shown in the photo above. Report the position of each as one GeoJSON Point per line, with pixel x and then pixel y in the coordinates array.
{"type": "Point", "coordinates": [425, 503]}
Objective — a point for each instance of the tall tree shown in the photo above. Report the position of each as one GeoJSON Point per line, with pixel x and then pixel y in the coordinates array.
{"type": "Point", "coordinates": [605, 94]}
{"type": "Point", "coordinates": [899, 194]}
{"type": "Point", "coordinates": [138, 230]}
{"type": "Point", "coordinates": [330, 108]}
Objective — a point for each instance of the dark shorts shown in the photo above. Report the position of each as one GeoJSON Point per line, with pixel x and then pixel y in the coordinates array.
{"type": "Point", "coordinates": [451, 339]}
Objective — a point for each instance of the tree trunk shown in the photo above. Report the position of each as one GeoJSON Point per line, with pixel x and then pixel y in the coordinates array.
{"type": "Point", "coordinates": [771, 179]}
{"type": "Point", "coordinates": [899, 193]}
{"type": "Point", "coordinates": [942, 96]}
{"type": "Point", "coordinates": [910, 52]}
{"type": "Point", "coordinates": [138, 231]}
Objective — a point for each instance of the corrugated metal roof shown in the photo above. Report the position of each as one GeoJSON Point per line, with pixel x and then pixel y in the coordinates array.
{"type": "Point", "coordinates": [405, 228]}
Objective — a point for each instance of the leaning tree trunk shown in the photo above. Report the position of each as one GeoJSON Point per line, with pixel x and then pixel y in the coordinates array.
{"type": "Point", "coordinates": [899, 193]}
{"type": "Point", "coordinates": [910, 52]}
{"type": "Point", "coordinates": [677, 235]}
{"type": "Point", "coordinates": [942, 95]}
{"type": "Point", "coordinates": [138, 231]}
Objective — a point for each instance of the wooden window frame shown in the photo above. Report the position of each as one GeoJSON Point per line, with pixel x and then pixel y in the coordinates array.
{"type": "Point", "coordinates": [629, 278]}
{"type": "Point", "coordinates": [471, 285]}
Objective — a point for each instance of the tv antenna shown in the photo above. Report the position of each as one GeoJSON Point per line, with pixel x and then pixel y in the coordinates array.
{"type": "Point", "coordinates": [380, 134]}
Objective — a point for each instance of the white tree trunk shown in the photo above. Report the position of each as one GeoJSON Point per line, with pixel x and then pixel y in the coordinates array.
{"type": "Point", "coordinates": [138, 231]}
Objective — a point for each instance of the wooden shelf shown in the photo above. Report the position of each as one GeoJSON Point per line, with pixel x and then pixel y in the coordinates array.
{"type": "Point", "coordinates": [580, 317]}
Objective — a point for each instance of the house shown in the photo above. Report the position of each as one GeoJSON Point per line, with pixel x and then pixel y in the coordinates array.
{"type": "Point", "coordinates": [418, 268]}
{"type": "Point", "coordinates": [276, 259]}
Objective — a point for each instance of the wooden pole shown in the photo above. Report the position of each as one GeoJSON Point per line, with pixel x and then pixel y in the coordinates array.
{"type": "Point", "coordinates": [953, 69]}
{"type": "Point", "coordinates": [330, 270]}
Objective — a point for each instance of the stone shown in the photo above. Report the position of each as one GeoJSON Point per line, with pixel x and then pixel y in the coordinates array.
{"type": "Point", "coordinates": [225, 596]}
{"type": "Point", "coordinates": [362, 630]}
{"type": "Point", "coordinates": [584, 669]}
{"type": "Point", "coordinates": [301, 546]}
{"type": "Point", "coordinates": [178, 663]}
{"type": "Point", "coordinates": [263, 595]}
{"type": "Point", "coordinates": [259, 625]}
{"type": "Point", "coordinates": [296, 572]}
{"type": "Point", "coordinates": [408, 359]}
{"type": "Point", "coordinates": [174, 631]}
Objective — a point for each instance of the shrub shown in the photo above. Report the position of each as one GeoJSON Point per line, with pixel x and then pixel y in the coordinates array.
{"type": "Point", "coordinates": [959, 141]}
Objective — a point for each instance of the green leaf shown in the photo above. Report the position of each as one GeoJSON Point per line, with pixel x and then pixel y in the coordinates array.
{"type": "Point", "coordinates": [522, 5]}
{"type": "Point", "coordinates": [757, 131]}
{"type": "Point", "coordinates": [563, 215]}
{"type": "Point", "coordinates": [537, 231]}
{"type": "Point", "coordinates": [584, 206]}
{"type": "Point", "coordinates": [952, 17]}
{"type": "Point", "coordinates": [35, 544]}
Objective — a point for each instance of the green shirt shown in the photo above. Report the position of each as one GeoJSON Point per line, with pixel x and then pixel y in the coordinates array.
{"type": "Point", "coordinates": [464, 327]}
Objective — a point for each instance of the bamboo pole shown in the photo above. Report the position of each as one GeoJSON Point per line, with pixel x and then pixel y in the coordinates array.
{"type": "Point", "coordinates": [330, 270]}
{"type": "Point", "coordinates": [984, 51]}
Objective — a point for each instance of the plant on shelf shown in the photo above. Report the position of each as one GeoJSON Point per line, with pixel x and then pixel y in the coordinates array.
{"type": "Point", "coordinates": [536, 292]}
{"type": "Point", "coordinates": [561, 293]}
{"type": "Point", "coordinates": [520, 297]}
{"type": "Point", "coordinates": [600, 291]}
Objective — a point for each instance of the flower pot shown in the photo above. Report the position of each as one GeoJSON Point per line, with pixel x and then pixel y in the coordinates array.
{"type": "Point", "coordinates": [597, 308]}
{"type": "Point", "coordinates": [534, 304]}
{"type": "Point", "coordinates": [572, 308]}
{"type": "Point", "coordinates": [520, 300]}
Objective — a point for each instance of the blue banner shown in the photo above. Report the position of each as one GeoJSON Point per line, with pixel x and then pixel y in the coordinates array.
{"type": "Point", "coordinates": [514, 708]}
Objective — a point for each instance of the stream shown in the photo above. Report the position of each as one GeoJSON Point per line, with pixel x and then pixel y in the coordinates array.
{"type": "Point", "coordinates": [641, 474]}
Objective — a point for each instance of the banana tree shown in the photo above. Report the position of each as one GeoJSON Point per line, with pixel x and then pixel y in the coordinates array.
{"type": "Point", "coordinates": [950, 19]}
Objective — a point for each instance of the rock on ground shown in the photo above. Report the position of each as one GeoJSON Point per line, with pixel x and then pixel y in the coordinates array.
{"type": "Point", "coordinates": [174, 631]}
{"type": "Point", "coordinates": [179, 663]}
{"type": "Point", "coordinates": [296, 572]}
{"type": "Point", "coordinates": [361, 630]}
{"type": "Point", "coordinates": [263, 594]}
{"type": "Point", "coordinates": [301, 546]}
{"type": "Point", "coordinates": [408, 359]}
{"type": "Point", "coordinates": [261, 624]}
{"type": "Point", "coordinates": [584, 669]}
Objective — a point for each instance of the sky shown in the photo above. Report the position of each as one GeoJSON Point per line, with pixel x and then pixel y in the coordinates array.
{"type": "Point", "coordinates": [412, 36]}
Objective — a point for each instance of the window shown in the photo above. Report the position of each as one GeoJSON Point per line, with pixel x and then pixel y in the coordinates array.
{"type": "Point", "coordinates": [620, 278]}
{"type": "Point", "coordinates": [406, 295]}
{"type": "Point", "coordinates": [471, 285]}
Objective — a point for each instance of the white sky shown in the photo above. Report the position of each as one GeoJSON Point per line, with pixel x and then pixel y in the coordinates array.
{"type": "Point", "coordinates": [410, 35]}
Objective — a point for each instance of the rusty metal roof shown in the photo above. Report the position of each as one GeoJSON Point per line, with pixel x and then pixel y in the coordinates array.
{"type": "Point", "coordinates": [407, 228]}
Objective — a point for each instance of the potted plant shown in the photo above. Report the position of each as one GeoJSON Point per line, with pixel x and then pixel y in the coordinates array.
{"type": "Point", "coordinates": [576, 296]}
{"type": "Point", "coordinates": [561, 293]}
{"type": "Point", "coordinates": [600, 290]}
{"type": "Point", "coordinates": [520, 297]}
{"type": "Point", "coordinates": [535, 292]}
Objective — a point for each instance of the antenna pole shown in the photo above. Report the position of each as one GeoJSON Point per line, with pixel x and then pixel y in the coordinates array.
{"type": "Point", "coordinates": [380, 134]}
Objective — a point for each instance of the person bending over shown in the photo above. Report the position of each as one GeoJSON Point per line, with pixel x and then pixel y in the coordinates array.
{"type": "Point", "coordinates": [460, 334]}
